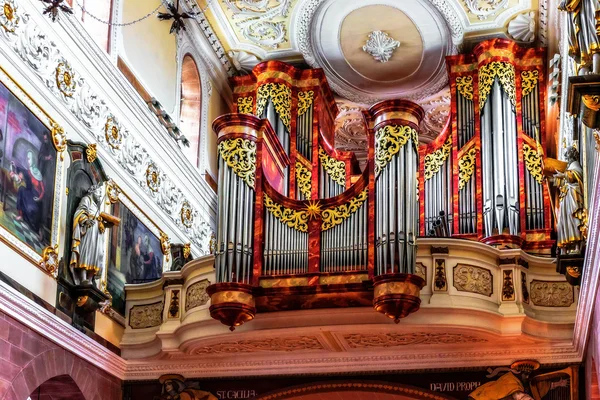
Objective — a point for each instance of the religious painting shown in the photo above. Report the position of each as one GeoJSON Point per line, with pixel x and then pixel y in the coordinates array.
{"type": "Point", "coordinates": [28, 170]}
{"type": "Point", "coordinates": [135, 251]}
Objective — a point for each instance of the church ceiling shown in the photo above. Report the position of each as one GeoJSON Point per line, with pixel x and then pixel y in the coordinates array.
{"type": "Point", "coordinates": [372, 50]}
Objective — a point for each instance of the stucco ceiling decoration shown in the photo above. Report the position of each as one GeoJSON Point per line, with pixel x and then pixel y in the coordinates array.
{"type": "Point", "coordinates": [331, 33]}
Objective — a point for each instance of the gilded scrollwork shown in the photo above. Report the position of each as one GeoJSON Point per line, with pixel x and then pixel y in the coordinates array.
{"type": "Point", "coordinates": [281, 96]}
{"type": "Point", "coordinates": [59, 139]}
{"type": "Point", "coordinates": [435, 160]}
{"type": "Point", "coordinates": [305, 100]}
{"type": "Point", "coordinates": [591, 101]}
{"type": "Point", "coordinates": [187, 214]}
{"type": "Point", "coordinates": [337, 215]}
{"type": "Point", "coordinates": [91, 153]}
{"type": "Point", "coordinates": [245, 105]}
{"type": "Point", "coordinates": [295, 219]}
{"type": "Point", "coordinates": [334, 168]}
{"type": "Point", "coordinates": [303, 179]}
{"type": "Point", "coordinates": [505, 72]}
{"type": "Point", "coordinates": [49, 260]}
{"type": "Point", "coordinates": [466, 167]}
{"type": "Point", "coordinates": [165, 245]}
{"type": "Point", "coordinates": [9, 16]}
{"type": "Point", "coordinates": [464, 86]}
{"type": "Point", "coordinates": [66, 81]}
{"type": "Point", "coordinates": [533, 162]}
{"type": "Point", "coordinates": [187, 250]}
{"type": "Point", "coordinates": [529, 80]}
{"type": "Point", "coordinates": [240, 155]}
{"type": "Point", "coordinates": [153, 178]}
{"type": "Point", "coordinates": [388, 142]}
{"type": "Point", "coordinates": [112, 133]}
{"type": "Point", "coordinates": [112, 192]}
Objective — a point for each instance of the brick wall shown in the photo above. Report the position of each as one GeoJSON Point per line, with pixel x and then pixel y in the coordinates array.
{"type": "Point", "coordinates": [27, 360]}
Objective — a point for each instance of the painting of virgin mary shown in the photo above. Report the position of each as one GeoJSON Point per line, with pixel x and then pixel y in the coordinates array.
{"type": "Point", "coordinates": [27, 173]}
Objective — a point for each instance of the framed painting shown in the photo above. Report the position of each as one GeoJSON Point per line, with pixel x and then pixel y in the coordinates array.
{"type": "Point", "coordinates": [137, 250]}
{"type": "Point", "coordinates": [31, 147]}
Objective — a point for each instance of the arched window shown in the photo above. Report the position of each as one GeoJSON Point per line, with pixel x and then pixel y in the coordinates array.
{"type": "Point", "coordinates": [191, 103]}
{"type": "Point", "coordinates": [101, 9]}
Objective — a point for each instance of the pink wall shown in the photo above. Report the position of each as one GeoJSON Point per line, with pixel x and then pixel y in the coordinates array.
{"type": "Point", "coordinates": [27, 360]}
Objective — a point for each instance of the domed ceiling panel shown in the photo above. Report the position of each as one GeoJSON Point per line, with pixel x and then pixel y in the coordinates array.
{"type": "Point", "coordinates": [376, 49]}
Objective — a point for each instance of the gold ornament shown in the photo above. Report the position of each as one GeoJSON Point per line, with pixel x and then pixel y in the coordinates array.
{"type": "Point", "coordinates": [303, 179]}
{"type": "Point", "coordinates": [435, 160]}
{"type": "Point", "coordinates": [313, 209]}
{"type": "Point", "coordinates": [112, 132]}
{"type": "Point", "coordinates": [281, 96]}
{"type": "Point", "coordinates": [153, 177]}
{"type": "Point", "coordinates": [49, 260]}
{"type": "Point", "coordinates": [388, 142]}
{"type": "Point", "coordinates": [81, 300]}
{"type": "Point", "coordinates": [187, 250]}
{"type": "Point", "coordinates": [245, 105]}
{"type": "Point", "coordinates": [65, 79]}
{"type": "Point", "coordinates": [337, 215]}
{"type": "Point", "coordinates": [297, 220]}
{"type": "Point", "coordinates": [305, 100]}
{"type": "Point", "coordinates": [466, 167]}
{"type": "Point", "coordinates": [464, 85]}
{"type": "Point", "coordinates": [591, 101]}
{"type": "Point", "coordinates": [505, 72]}
{"type": "Point", "coordinates": [529, 80]}
{"type": "Point", "coordinates": [59, 139]}
{"type": "Point", "coordinates": [112, 192]}
{"type": "Point", "coordinates": [334, 168]}
{"type": "Point", "coordinates": [187, 215]}
{"type": "Point", "coordinates": [240, 155]}
{"type": "Point", "coordinates": [165, 245]}
{"type": "Point", "coordinates": [91, 153]}
{"type": "Point", "coordinates": [533, 162]}
{"type": "Point", "coordinates": [8, 17]}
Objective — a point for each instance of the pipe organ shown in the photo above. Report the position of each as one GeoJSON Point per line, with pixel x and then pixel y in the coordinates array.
{"type": "Point", "coordinates": [483, 175]}
{"type": "Point", "coordinates": [296, 213]}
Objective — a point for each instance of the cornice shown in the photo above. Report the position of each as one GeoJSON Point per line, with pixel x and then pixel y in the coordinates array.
{"type": "Point", "coordinates": [22, 309]}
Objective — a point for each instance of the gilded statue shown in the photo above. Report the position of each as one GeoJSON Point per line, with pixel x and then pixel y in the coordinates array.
{"type": "Point", "coordinates": [571, 217]}
{"type": "Point", "coordinates": [583, 39]}
{"type": "Point", "coordinates": [87, 247]}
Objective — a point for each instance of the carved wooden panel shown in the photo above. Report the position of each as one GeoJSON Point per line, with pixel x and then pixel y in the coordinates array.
{"type": "Point", "coordinates": [146, 316]}
{"type": "Point", "coordinates": [551, 293]}
{"type": "Point", "coordinates": [472, 279]}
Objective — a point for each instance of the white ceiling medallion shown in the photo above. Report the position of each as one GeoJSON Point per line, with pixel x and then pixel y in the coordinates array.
{"type": "Point", "coordinates": [381, 46]}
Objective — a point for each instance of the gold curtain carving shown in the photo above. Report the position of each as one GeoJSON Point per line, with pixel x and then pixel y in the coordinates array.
{"type": "Point", "coordinates": [591, 101]}
{"type": "Point", "coordinates": [466, 167]}
{"type": "Point", "coordinates": [240, 156]}
{"type": "Point", "coordinates": [533, 162]}
{"type": "Point", "coordinates": [297, 220]}
{"type": "Point", "coordinates": [305, 100]}
{"type": "Point", "coordinates": [281, 96]}
{"type": "Point", "coordinates": [529, 80]}
{"type": "Point", "coordinates": [245, 105]}
{"type": "Point", "coordinates": [388, 142]}
{"type": "Point", "coordinates": [337, 215]}
{"type": "Point", "coordinates": [464, 85]}
{"type": "Point", "coordinates": [434, 161]}
{"type": "Point", "coordinates": [505, 72]}
{"type": "Point", "coordinates": [334, 168]}
{"type": "Point", "coordinates": [303, 178]}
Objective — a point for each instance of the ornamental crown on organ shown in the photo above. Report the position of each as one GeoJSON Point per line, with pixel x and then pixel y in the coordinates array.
{"type": "Point", "coordinates": [294, 209]}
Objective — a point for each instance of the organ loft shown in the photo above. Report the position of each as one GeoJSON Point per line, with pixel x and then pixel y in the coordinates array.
{"type": "Point", "coordinates": [299, 199]}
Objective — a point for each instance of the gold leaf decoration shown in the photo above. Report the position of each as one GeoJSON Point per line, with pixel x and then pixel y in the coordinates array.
{"type": "Point", "coordinates": [165, 245]}
{"type": "Point", "coordinates": [112, 192]}
{"type": "Point", "coordinates": [533, 162]}
{"type": "Point", "coordinates": [464, 85]}
{"type": "Point", "coordinates": [388, 142]}
{"type": "Point", "coordinates": [529, 80]}
{"type": "Point", "coordinates": [240, 155]}
{"type": "Point", "coordinates": [505, 72]}
{"type": "Point", "coordinates": [297, 220]}
{"type": "Point", "coordinates": [91, 153]}
{"type": "Point", "coordinates": [49, 260]}
{"type": "Point", "coordinates": [303, 179]}
{"type": "Point", "coordinates": [337, 215]}
{"type": "Point", "coordinates": [305, 100]}
{"type": "Point", "coordinates": [245, 105]}
{"type": "Point", "coordinates": [59, 139]}
{"type": "Point", "coordinates": [591, 101]}
{"type": "Point", "coordinates": [334, 168]}
{"type": "Point", "coordinates": [466, 167]}
{"type": "Point", "coordinates": [65, 79]}
{"type": "Point", "coordinates": [435, 160]}
{"type": "Point", "coordinates": [280, 95]}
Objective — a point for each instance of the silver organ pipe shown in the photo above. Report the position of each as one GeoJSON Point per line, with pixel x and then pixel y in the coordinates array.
{"type": "Point", "coordinates": [331, 175]}
{"type": "Point", "coordinates": [304, 133]}
{"type": "Point", "coordinates": [285, 248]}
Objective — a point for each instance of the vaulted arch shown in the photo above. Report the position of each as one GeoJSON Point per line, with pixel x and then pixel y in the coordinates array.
{"type": "Point", "coordinates": [191, 106]}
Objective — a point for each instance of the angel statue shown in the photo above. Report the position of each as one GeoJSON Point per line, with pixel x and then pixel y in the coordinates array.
{"type": "Point", "coordinates": [87, 248]}
{"type": "Point", "coordinates": [571, 218]}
